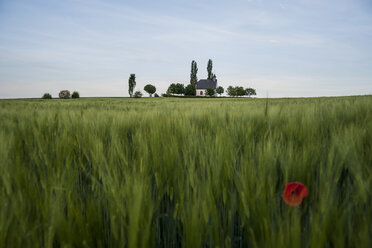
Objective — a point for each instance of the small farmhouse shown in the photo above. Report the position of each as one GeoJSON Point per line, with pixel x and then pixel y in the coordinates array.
{"type": "Point", "coordinates": [203, 84]}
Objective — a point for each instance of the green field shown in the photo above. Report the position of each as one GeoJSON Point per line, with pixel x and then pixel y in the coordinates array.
{"type": "Point", "coordinates": [173, 172]}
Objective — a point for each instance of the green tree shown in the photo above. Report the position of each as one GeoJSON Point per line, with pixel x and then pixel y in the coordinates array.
{"type": "Point", "coordinates": [176, 89]}
{"type": "Point", "coordinates": [190, 90]}
{"type": "Point", "coordinates": [171, 89]}
{"type": "Point", "coordinates": [150, 89]}
{"type": "Point", "coordinates": [209, 69]}
{"type": "Point", "coordinates": [239, 91]}
{"type": "Point", "coordinates": [210, 92]}
{"type": "Point", "coordinates": [137, 94]}
{"type": "Point", "coordinates": [75, 94]}
{"type": "Point", "coordinates": [231, 91]}
{"type": "Point", "coordinates": [132, 84]}
{"type": "Point", "coordinates": [180, 89]}
{"type": "Point", "coordinates": [250, 92]}
{"type": "Point", "coordinates": [193, 74]}
{"type": "Point", "coordinates": [220, 90]}
{"type": "Point", "coordinates": [47, 96]}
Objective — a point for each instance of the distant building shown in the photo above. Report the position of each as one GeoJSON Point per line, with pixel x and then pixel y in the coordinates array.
{"type": "Point", "coordinates": [203, 84]}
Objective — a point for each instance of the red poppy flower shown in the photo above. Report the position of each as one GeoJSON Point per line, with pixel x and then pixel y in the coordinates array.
{"type": "Point", "coordinates": [294, 193]}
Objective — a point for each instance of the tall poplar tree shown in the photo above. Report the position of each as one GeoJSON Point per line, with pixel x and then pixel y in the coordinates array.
{"type": "Point", "coordinates": [209, 69]}
{"type": "Point", "coordinates": [132, 84]}
{"type": "Point", "coordinates": [193, 74]}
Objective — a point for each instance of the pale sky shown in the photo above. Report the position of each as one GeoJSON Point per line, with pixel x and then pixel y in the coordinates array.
{"type": "Point", "coordinates": [282, 48]}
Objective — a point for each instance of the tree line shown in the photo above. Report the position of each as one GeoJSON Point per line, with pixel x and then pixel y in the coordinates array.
{"type": "Point", "coordinates": [240, 91]}
{"type": "Point", "coordinates": [190, 89]}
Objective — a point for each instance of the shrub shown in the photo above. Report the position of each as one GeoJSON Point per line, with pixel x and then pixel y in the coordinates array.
{"type": "Point", "coordinates": [156, 95]}
{"type": "Point", "coordinates": [64, 94]}
{"type": "Point", "coordinates": [138, 94]}
{"type": "Point", "coordinates": [75, 94]}
{"type": "Point", "coordinates": [47, 96]}
{"type": "Point", "coordinates": [169, 95]}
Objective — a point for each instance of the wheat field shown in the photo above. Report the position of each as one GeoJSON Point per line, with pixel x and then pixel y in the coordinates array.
{"type": "Point", "coordinates": [176, 172]}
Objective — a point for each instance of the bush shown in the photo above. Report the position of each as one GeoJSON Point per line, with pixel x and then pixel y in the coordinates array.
{"type": "Point", "coordinates": [47, 96]}
{"type": "Point", "coordinates": [169, 95]}
{"type": "Point", "coordinates": [64, 94]}
{"type": "Point", "coordinates": [138, 94]}
{"type": "Point", "coordinates": [75, 94]}
{"type": "Point", "coordinates": [156, 95]}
